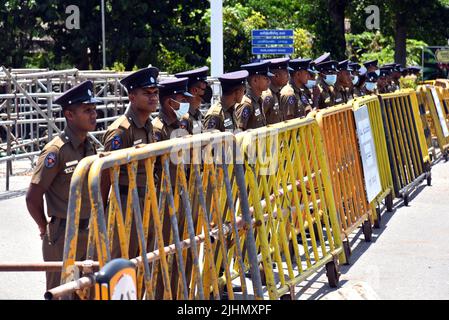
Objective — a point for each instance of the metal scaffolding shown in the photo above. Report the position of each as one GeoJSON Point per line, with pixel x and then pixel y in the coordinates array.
{"type": "Point", "coordinates": [29, 120]}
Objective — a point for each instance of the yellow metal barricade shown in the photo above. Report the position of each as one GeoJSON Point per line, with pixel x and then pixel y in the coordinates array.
{"type": "Point", "coordinates": [437, 117]}
{"type": "Point", "coordinates": [407, 149]}
{"type": "Point", "coordinates": [444, 83]}
{"type": "Point", "coordinates": [445, 97]}
{"type": "Point", "coordinates": [383, 163]}
{"type": "Point", "coordinates": [429, 82]}
{"type": "Point", "coordinates": [78, 185]}
{"type": "Point", "coordinates": [426, 121]}
{"type": "Point", "coordinates": [290, 195]}
{"type": "Point", "coordinates": [193, 221]}
{"type": "Point", "coordinates": [337, 126]}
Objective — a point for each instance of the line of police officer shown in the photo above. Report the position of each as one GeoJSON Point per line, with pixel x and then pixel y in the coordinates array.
{"type": "Point", "coordinates": [262, 93]}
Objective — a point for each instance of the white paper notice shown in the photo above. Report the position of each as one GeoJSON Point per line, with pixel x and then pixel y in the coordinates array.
{"type": "Point", "coordinates": [436, 99]}
{"type": "Point", "coordinates": [368, 153]}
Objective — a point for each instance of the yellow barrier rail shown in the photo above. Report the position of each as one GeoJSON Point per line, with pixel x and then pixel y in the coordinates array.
{"type": "Point", "coordinates": [215, 205]}
{"type": "Point", "coordinates": [445, 97]}
{"type": "Point", "coordinates": [444, 83]}
{"type": "Point", "coordinates": [408, 154]}
{"type": "Point", "coordinates": [426, 121]}
{"type": "Point", "coordinates": [337, 126]}
{"type": "Point", "coordinates": [383, 163]}
{"type": "Point", "coordinates": [291, 197]}
{"type": "Point", "coordinates": [437, 116]}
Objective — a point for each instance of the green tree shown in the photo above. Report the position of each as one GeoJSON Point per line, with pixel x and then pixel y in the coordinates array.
{"type": "Point", "coordinates": [377, 46]}
{"type": "Point", "coordinates": [405, 19]}
{"type": "Point", "coordinates": [19, 24]}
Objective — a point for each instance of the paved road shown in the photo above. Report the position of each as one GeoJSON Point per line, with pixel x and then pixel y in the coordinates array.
{"type": "Point", "coordinates": [19, 237]}
{"type": "Point", "coordinates": [408, 258]}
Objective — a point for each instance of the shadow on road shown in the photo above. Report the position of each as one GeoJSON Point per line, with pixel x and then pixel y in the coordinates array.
{"type": "Point", "coordinates": [317, 286]}
{"type": "Point", "coordinates": [12, 194]}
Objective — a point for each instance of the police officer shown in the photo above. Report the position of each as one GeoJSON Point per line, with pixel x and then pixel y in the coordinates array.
{"type": "Point", "coordinates": [271, 97]}
{"type": "Point", "coordinates": [296, 97]}
{"type": "Point", "coordinates": [414, 72]}
{"type": "Point", "coordinates": [328, 78]}
{"type": "Point", "coordinates": [358, 80]}
{"type": "Point", "coordinates": [131, 129]}
{"type": "Point", "coordinates": [383, 82]}
{"type": "Point", "coordinates": [221, 115]}
{"type": "Point", "coordinates": [371, 83]}
{"type": "Point", "coordinates": [395, 75]}
{"type": "Point", "coordinates": [172, 120]}
{"type": "Point", "coordinates": [372, 66]}
{"type": "Point", "coordinates": [134, 127]}
{"type": "Point", "coordinates": [197, 86]}
{"type": "Point", "coordinates": [53, 173]}
{"type": "Point", "coordinates": [249, 112]}
{"type": "Point", "coordinates": [343, 87]}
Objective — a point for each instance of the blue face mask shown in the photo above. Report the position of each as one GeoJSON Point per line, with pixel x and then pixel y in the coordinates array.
{"type": "Point", "coordinates": [355, 80]}
{"type": "Point", "coordinates": [330, 79]}
{"type": "Point", "coordinates": [377, 72]}
{"type": "Point", "coordinates": [371, 86]}
{"type": "Point", "coordinates": [183, 109]}
{"type": "Point", "coordinates": [310, 84]}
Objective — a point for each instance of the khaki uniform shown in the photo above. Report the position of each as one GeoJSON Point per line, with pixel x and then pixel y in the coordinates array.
{"type": "Point", "coordinates": [394, 86]}
{"type": "Point", "coordinates": [296, 101]}
{"type": "Point", "coordinates": [327, 95]}
{"type": "Point", "coordinates": [125, 132]}
{"type": "Point", "coordinates": [163, 128]}
{"type": "Point", "coordinates": [384, 90]}
{"type": "Point", "coordinates": [53, 173]}
{"type": "Point", "coordinates": [220, 118]}
{"type": "Point", "coordinates": [343, 95]}
{"type": "Point", "coordinates": [249, 113]}
{"type": "Point", "coordinates": [272, 106]}
{"type": "Point", "coordinates": [195, 118]}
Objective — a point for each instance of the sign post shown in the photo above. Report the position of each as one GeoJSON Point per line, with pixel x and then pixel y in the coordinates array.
{"type": "Point", "coordinates": [216, 37]}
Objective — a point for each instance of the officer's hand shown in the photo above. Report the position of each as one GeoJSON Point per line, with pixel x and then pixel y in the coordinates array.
{"type": "Point", "coordinates": [43, 230]}
{"type": "Point", "coordinates": [308, 110]}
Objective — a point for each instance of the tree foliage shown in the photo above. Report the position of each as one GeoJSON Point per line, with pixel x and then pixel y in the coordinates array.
{"type": "Point", "coordinates": [369, 46]}
{"type": "Point", "coordinates": [175, 34]}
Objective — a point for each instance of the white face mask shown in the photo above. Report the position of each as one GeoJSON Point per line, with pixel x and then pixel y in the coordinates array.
{"type": "Point", "coordinates": [183, 109]}
{"type": "Point", "coordinates": [330, 79]}
{"type": "Point", "coordinates": [310, 84]}
{"type": "Point", "coordinates": [355, 80]}
{"type": "Point", "coordinates": [371, 86]}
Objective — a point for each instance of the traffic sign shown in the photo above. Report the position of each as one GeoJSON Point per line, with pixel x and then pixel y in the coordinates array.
{"type": "Point", "coordinates": [265, 41]}
{"type": "Point", "coordinates": [272, 42]}
{"type": "Point", "coordinates": [272, 33]}
{"type": "Point", "coordinates": [272, 50]}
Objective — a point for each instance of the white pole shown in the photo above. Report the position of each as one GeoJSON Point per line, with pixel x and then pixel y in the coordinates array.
{"type": "Point", "coordinates": [216, 38]}
{"type": "Point", "coordinates": [103, 29]}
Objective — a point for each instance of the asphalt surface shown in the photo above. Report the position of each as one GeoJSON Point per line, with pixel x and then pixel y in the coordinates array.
{"type": "Point", "coordinates": [408, 257]}
{"type": "Point", "coordinates": [19, 237]}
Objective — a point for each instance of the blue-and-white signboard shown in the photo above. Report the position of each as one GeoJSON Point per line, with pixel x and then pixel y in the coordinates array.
{"type": "Point", "coordinates": [272, 42]}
